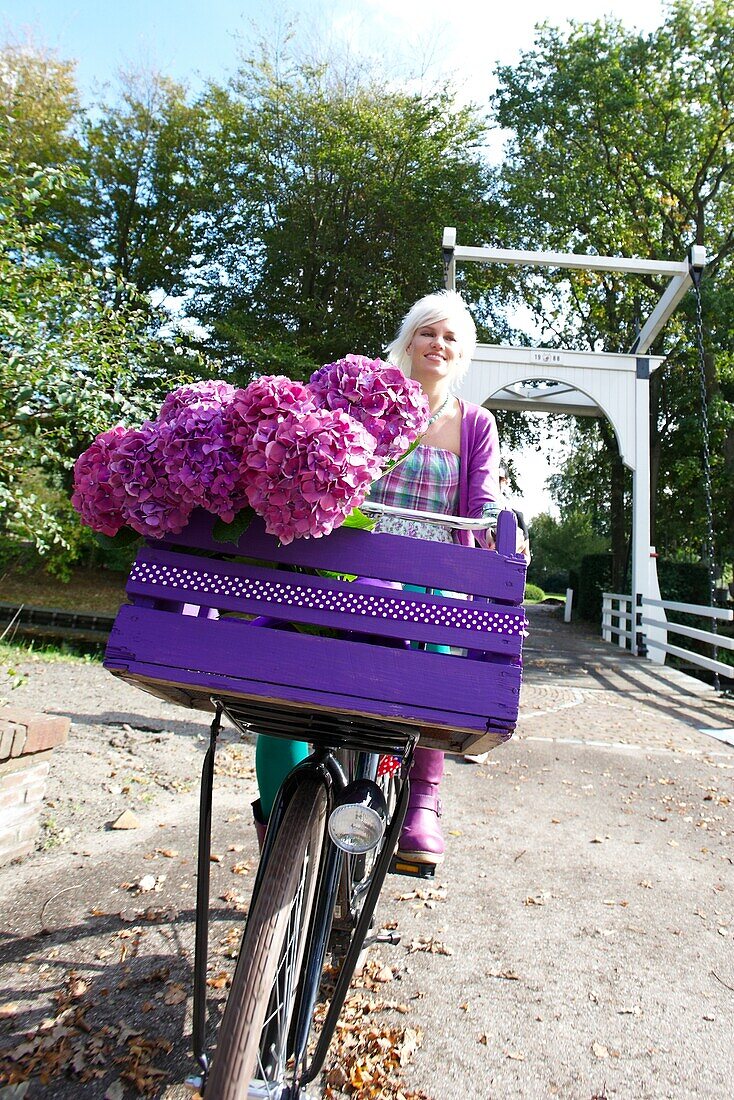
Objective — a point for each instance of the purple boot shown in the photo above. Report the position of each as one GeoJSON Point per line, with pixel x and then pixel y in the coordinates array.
{"type": "Point", "coordinates": [421, 839]}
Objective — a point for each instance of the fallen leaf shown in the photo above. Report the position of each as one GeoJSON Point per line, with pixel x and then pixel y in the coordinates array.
{"type": "Point", "coordinates": [515, 1055]}
{"type": "Point", "coordinates": [175, 994]}
{"type": "Point", "coordinates": [430, 945]}
{"type": "Point", "coordinates": [219, 981]}
{"type": "Point", "coordinates": [243, 868]}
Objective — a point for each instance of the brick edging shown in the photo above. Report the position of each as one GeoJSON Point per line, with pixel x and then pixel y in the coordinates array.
{"type": "Point", "coordinates": [27, 740]}
{"type": "Point", "coordinates": [23, 732]}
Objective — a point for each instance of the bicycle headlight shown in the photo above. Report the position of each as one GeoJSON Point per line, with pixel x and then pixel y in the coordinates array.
{"type": "Point", "coordinates": [357, 822]}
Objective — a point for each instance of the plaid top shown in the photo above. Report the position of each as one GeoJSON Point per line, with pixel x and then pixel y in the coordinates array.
{"type": "Point", "coordinates": [426, 481]}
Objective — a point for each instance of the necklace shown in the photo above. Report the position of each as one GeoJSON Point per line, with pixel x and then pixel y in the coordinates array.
{"type": "Point", "coordinates": [438, 412]}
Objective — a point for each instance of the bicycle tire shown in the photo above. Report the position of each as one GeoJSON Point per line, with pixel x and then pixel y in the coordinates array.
{"type": "Point", "coordinates": [271, 957]}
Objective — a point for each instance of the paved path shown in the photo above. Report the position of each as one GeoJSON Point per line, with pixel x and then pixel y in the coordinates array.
{"type": "Point", "coordinates": [586, 898]}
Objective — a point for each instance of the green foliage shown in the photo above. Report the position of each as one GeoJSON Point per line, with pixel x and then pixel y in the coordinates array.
{"type": "Point", "coordinates": [148, 184]}
{"type": "Point", "coordinates": [334, 196]}
{"type": "Point", "coordinates": [594, 577]}
{"type": "Point", "coordinates": [620, 144]}
{"type": "Point", "coordinates": [559, 545]}
{"type": "Point", "coordinates": [684, 582]}
{"type": "Point", "coordinates": [71, 365]}
{"type": "Point", "coordinates": [534, 594]}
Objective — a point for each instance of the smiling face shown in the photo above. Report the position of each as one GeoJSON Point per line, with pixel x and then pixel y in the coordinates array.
{"type": "Point", "coordinates": [434, 351]}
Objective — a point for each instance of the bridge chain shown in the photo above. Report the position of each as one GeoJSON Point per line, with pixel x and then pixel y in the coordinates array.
{"type": "Point", "coordinates": [696, 274]}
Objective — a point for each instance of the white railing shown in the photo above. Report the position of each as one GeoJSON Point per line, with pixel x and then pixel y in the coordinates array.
{"type": "Point", "coordinates": [623, 612]}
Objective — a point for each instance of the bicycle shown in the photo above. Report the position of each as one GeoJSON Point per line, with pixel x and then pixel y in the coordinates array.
{"type": "Point", "coordinates": [335, 824]}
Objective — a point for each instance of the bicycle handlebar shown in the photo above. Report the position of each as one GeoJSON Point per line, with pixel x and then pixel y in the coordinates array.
{"type": "Point", "coordinates": [457, 523]}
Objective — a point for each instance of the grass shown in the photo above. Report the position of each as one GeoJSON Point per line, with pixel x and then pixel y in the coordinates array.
{"type": "Point", "coordinates": [87, 590]}
{"type": "Point", "coordinates": [13, 652]}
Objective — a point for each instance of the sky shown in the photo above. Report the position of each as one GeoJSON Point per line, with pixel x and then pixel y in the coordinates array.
{"type": "Point", "coordinates": [413, 41]}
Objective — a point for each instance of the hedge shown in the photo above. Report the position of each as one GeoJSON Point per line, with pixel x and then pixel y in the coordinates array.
{"type": "Point", "coordinates": [685, 582]}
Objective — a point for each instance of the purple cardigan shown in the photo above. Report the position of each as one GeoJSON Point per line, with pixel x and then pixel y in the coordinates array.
{"type": "Point", "coordinates": [480, 459]}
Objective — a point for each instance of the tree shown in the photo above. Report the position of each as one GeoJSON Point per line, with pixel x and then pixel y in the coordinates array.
{"type": "Point", "coordinates": [335, 196]}
{"type": "Point", "coordinates": [71, 365]}
{"type": "Point", "coordinates": [558, 545]}
{"type": "Point", "coordinates": [622, 144]}
{"type": "Point", "coordinates": [145, 160]}
{"type": "Point", "coordinates": [39, 117]}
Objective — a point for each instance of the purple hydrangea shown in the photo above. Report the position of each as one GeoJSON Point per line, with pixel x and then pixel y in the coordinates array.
{"type": "Point", "coordinates": [151, 505]}
{"type": "Point", "coordinates": [96, 499]}
{"type": "Point", "coordinates": [202, 464]}
{"type": "Point", "coordinates": [391, 407]}
{"type": "Point", "coordinates": [267, 399]}
{"type": "Point", "coordinates": [215, 393]}
{"type": "Point", "coordinates": [314, 469]}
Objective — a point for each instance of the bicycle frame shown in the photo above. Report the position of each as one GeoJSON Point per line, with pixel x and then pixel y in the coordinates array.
{"type": "Point", "coordinates": [323, 764]}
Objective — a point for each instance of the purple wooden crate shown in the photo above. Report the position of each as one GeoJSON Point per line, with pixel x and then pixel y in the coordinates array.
{"type": "Point", "coordinates": [188, 638]}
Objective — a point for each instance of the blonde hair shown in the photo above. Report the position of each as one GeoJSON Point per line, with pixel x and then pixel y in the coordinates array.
{"type": "Point", "coordinates": [444, 305]}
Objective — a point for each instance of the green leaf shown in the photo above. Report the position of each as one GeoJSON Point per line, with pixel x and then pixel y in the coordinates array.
{"type": "Point", "coordinates": [233, 532]}
{"type": "Point", "coordinates": [124, 537]}
{"type": "Point", "coordinates": [336, 576]}
{"type": "Point", "coordinates": [360, 521]}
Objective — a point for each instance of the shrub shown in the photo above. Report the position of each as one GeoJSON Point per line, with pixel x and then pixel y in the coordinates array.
{"type": "Point", "coordinates": [595, 577]}
{"type": "Point", "coordinates": [557, 582]}
{"type": "Point", "coordinates": [534, 594]}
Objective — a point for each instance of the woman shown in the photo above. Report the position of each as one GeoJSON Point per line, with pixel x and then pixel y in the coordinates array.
{"type": "Point", "coordinates": [453, 470]}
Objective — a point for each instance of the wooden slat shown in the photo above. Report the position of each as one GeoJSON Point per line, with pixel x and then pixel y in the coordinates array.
{"type": "Point", "coordinates": [163, 575]}
{"type": "Point", "coordinates": [388, 557]}
{"type": "Point", "coordinates": [445, 738]}
{"type": "Point", "coordinates": [340, 675]}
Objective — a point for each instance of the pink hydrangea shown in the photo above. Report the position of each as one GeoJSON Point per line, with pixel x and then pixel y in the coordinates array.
{"type": "Point", "coordinates": [216, 393]}
{"type": "Point", "coordinates": [202, 464]}
{"type": "Point", "coordinates": [393, 408]}
{"type": "Point", "coordinates": [267, 399]}
{"type": "Point", "coordinates": [311, 473]}
{"type": "Point", "coordinates": [96, 499]}
{"type": "Point", "coordinates": [151, 505]}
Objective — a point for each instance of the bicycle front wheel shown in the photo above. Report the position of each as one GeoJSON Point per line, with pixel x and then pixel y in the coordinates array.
{"type": "Point", "coordinates": [253, 1045]}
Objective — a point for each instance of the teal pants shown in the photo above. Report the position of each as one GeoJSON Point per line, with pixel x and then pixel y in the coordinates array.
{"type": "Point", "coordinates": [274, 758]}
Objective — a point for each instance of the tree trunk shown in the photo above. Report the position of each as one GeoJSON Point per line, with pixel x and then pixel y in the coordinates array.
{"type": "Point", "coordinates": [616, 507]}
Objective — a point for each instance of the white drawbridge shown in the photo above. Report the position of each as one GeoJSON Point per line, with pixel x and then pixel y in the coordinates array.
{"type": "Point", "coordinates": [587, 383]}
